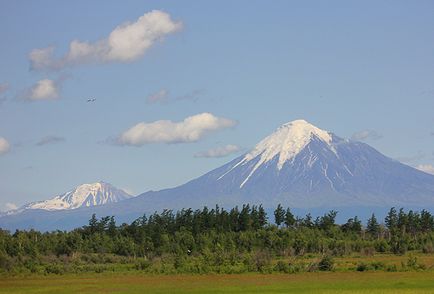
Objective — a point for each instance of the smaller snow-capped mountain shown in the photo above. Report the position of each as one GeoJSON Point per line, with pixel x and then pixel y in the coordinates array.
{"type": "Point", "coordinates": [85, 195]}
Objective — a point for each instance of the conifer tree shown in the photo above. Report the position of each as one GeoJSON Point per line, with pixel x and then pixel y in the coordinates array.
{"type": "Point", "coordinates": [373, 227]}
{"type": "Point", "coordinates": [262, 216]}
{"type": "Point", "coordinates": [279, 215]}
{"type": "Point", "coordinates": [289, 218]}
{"type": "Point", "coordinates": [391, 220]}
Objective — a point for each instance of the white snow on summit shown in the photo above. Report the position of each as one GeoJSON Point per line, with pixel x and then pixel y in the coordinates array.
{"type": "Point", "coordinates": [85, 195]}
{"type": "Point", "coordinates": [286, 142]}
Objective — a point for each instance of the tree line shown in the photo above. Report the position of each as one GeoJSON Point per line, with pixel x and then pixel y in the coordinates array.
{"type": "Point", "coordinates": [215, 238]}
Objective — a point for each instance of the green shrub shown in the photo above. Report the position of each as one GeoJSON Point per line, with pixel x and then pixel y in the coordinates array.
{"type": "Point", "coordinates": [262, 261]}
{"type": "Point", "coordinates": [391, 268]}
{"type": "Point", "coordinates": [326, 263]}
{"type": "Point", "coordinates": [412, 264]}
{"type": "Point", "coordinates": [6, 263]}
{"type": "Point", "coordinates": [375, 265]}
{"type": "Point", "coordinates": [362, 267]}
{"type": "Point", "coordinates": [282, 267]}
{"type": "Point", "coordinates": [54, 269]}
{"type": "Point", "coordinates": [381, 246]}
{"type": "Point", "coordinates": [142, 264]}
{"type": "Point", "coordinates": [378, 265]}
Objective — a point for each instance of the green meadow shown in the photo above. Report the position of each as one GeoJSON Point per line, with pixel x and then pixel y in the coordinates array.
{"type": "Point", "coordinates": [321, 282]}
{"type": "Point", "coordinates": [215, 251]}
{"type": "Point", "coordinates": [347, 276]}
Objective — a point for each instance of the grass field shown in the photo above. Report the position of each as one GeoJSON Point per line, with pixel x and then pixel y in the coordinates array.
{"type": "Point", "coordinates": [327, 282]}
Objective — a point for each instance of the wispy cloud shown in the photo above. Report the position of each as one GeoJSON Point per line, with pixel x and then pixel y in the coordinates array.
{"type": "Point", "coordinates": [366, 135]}
{"type": "Point", "coordinates": [3, 88]}
{"type": "Point", "coordinates": [191, 129]}
{"type": "Point", "coordinates": [193, 95]}
{"type": "Point", "coordinates": [4, 146]}
{"type": "Point", "coordinates": [160, 96]}
{"type": "Point", "coordinates": [50, 140]}
{"type": "Point", "coordinates": [163, 96]}
{"type": "Point", "coordinates": [219, 151]}
{"type": "Point", "coordinates": [428, 168]}
{"type": "Point", "coordinates": [10, 206]}
{"type": "Point", "coordinates": [125, 43]}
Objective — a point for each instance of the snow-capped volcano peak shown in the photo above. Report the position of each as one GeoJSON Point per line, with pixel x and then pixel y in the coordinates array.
{"type": "Point", "coordinates": [286, 142]}
{"type": "Point", "coordinates": [85, 195]}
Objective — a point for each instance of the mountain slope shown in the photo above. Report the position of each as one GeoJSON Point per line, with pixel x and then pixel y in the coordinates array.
{"type": "Point", "coordinates": [302, 166]}
{"type": "Point", "coordinates": [299, 165]}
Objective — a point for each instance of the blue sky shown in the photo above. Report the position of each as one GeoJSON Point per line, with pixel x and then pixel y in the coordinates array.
{"type": "Point", "coordinates": [359, 69]}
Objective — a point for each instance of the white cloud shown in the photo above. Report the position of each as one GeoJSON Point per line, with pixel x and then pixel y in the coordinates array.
{"type": "Point", "coordinates": [219, 151]}
{"type": "Point", "coordinates": [366, 134]}
{"type": "Point", "coordinates": [159, 96]}
{"type": "Point", "coordinates": [125, 43]}
{"type": "Point", "coordinates": [4, 146]}
{"type": "Point", "coordinates": [45, 89]}
{"type": "Point", "coordinates": [428, 168]}
{"type": "Point", "coordinates": [191, 129]}
{"type": "Point", "coordinates": [10, 206]}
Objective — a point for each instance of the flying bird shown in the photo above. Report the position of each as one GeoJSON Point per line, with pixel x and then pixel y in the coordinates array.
{"type": "Point", "coordinates": [91, 100]}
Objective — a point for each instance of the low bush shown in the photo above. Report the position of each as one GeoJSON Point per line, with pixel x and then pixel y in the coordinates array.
{"type": "Point", "coordinates": [362, 267]}
{"type": "Point", "coordinates": [326, 263]}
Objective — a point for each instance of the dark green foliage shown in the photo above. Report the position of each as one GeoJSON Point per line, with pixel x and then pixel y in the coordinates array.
{"type": "Point", "coordinates": [391, 220]}
{"type": "Point", "coordinates": [262, 217]}
{"type": "Point", "coordinates": [327, 221]}
{"type": "Point", "coordinates": [279, 215]}
{"type": "Point", "coordinates": [372, 266]}
{"type": "Point", "coordinates": [426, 221]}
{"type": "Point", "coordinates": [282, 266]}
{"type": "Point", "coordinates": [326, 263]}
{"type": "Point", "coordinates": [289, 218]}
{"type": "Point", "coordinates": [373, 227]}
{"type": "Point", "coordinates": [352, 225]}
{"type": "Point", "coordinates": [216, 240]}
{"type": "Point", "coordinates": [362, 267]}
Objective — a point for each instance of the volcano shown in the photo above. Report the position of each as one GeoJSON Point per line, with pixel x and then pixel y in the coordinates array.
{"type": "Point", "coordinates": [299, 166]}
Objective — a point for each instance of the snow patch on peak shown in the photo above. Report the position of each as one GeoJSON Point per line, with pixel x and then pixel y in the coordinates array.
{"type": "Point", "coordinates": [85, 195]}
{"type": "Point", "coordinates": [286, 142]}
